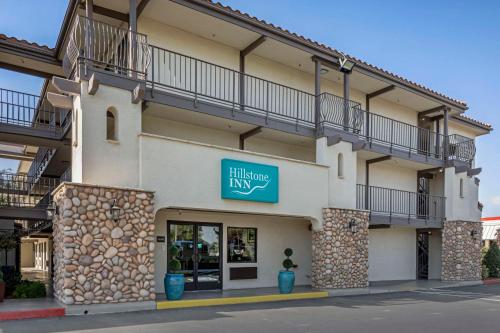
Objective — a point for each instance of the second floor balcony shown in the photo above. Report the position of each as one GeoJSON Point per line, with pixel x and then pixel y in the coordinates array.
{"type": "Point", "coordinates": [392, 206]}
{"type": "Point", "coordinates": [25, 197]}
{"type": "Point", "coordinates": [24, 116]}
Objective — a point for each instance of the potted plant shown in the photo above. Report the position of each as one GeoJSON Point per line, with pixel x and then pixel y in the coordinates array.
{"type": "Point", "coordinates": [2, 287]}
{"type": "Point", "coordinates": [286, 278]}
{"type": "Point", "coordinates": [174, 281]}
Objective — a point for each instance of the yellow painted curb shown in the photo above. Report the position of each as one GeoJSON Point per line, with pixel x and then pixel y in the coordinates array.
{"type": "Point", "coordinates": [190, 303]}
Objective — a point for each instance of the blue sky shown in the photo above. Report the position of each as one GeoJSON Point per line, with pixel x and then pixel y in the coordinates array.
{"type": "Point", "coordinates": [450, 46]}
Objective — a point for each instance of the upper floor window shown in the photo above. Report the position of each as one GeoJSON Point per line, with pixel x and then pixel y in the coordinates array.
{"type": "Point", "coordinates": [111, 124]}
{"type": "Point", "coordinates": [340, 165]}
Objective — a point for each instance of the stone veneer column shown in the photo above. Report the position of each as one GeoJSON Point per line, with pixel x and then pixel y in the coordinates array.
{"type": "Point", "coordinates": [340, 257]}
{"type": "Point", "coordinates": [461, 251]}
{"type": "Point", "coordinates": [97, 259]}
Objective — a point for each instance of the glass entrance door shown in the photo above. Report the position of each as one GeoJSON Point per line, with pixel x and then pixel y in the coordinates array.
{"type": "Point", "coordinates": [200, 253]}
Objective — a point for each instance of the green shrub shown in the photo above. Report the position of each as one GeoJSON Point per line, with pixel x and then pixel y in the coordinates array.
{"type": "Point", "coordinates": [30, 289]}
{"type": "Point", "coordinates": [492, 260]}
{"type": "Point", "coordinates": [174, 265]}
{"type": "Point", "coordinates": [288, 263]}
{"type": "Point", "coordinates": [11, 277]}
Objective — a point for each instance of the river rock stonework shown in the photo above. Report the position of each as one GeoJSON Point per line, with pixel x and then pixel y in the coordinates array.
{"type": "Point", "coordinates": [340, 257]}
{"type": "Point", "coordinates": [461, 251]}
{"type": "Point", "coordinates": [99, 260]}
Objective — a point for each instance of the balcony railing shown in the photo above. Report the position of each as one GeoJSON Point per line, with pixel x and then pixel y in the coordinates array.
{"type": "Point", "coordinates": [123, 52]}
{"type": "Point", "coordinates": [339, 113]}
{"type": "Point", "coordinates": [107, 47]}
{"type": "Point", "coordinates": [461, 148]}
{"type": "Point", "coordinates": [22, 191]}
{"type": "Point", "coordinates": [40, 162]}
{"type": "Point", "coordinates": [27, 110]}
{"type": "Point", "coordinates": [398, 203]}
{"type": "Point", "coordinates": [203, 81]}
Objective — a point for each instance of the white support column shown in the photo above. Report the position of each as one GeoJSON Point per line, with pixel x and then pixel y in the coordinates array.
{"type": "Point", "coordinates": [95, 159]}
{"type": "Point", "coordinates": [341, 186]}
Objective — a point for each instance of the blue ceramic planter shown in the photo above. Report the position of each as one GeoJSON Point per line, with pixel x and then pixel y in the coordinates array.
{"type": "Point", "coordinates": [286, 281]}
{"type": "Point", "coordinates": [174, 286]}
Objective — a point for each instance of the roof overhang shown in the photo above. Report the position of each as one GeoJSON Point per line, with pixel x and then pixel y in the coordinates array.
{"type": "Point", "coordinates": [29, 58]}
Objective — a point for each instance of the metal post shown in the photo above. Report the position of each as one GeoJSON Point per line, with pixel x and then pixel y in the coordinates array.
{"type": "Point", "coordinates": [87, 24]}
{"type": "Point", "coordinates": [346, 101]}
{"type": "Point", "coordinates": [242, 81]}
{"type": "Point", "coordinates": [446, 138]}
{"type": "Point", "coordinates": [317, 95]}
{"type": "Point", "coordinates": [367, 184]}
{"type": "Point", "coordinates": [437, 138]}
{"type": "Point", "coordinates": [132, 27]}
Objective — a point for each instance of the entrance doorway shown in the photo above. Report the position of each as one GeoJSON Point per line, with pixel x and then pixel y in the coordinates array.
{"type": "Point", "coordinates": [200, 253]}
{"type": "Point", "coordinates": [422, 255]}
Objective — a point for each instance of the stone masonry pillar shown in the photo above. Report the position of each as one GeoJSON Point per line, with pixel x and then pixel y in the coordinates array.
{"type": "Point", "coordinates": [461, 251]}
{"type": "Point", "coordinates": [97, 259]}
{"type": "Point", "coordinates": [340, 256]}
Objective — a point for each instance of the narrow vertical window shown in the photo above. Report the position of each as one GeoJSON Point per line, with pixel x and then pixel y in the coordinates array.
{"type": "Point", "coordinates": [461, 188]}
{"type": "Point", "coordinates": [111, 128]}
{"type": "Point", "coordinates": [340, 165]}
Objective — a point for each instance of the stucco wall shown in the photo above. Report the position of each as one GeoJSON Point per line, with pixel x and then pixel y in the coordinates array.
{"type": "Point", "coordinates": [274, 234]}
{"type": "Point", "coordinates": [180, 130]}
{"type": "Point", "coordinates": [96, 160]}
{"type": "Point", "coordinates": [461, 208]}
{"type": "Point", "coordinates": [27, 256]}
{"type": "Point", "coordinates": [342, 192]}
{"type": "Point", "coordinates": [435, 254]}
{"type": "Point", "coordinates": [187, 174]}
{"type": "Point", "coordinates": [392, 254]}
{"type": "Point", "coordinates": [388, 175]}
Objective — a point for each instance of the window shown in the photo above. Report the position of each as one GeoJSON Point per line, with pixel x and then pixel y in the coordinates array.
{"type": "Point", "coordinates": [340, 165]}
{"type": "Point", "coordinates": [111, 128]}
{"type": "Point", "coordinates": [461, 188]}
{"type": "Point", "coordinates": [241, 244]}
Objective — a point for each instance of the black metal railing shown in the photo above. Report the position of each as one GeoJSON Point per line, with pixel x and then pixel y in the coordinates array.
{"type": "Point", "coordinates": [461, 148]}
{"type": "Point", "coordinates": [40, 162]}
{"type": "Point", "coordinates": [66, 176]}
{"type": "Point", "coordinates": [107, 47]}
{"type": "Point", "coordinates": [337, 112]}
{"type": "Point", "coordinates": [27, 110]}
{"type": "Point", "coordinates": [204, 81]}
{"type": "Point", "coordinates": [398, 203]}
{"type": "Point", "coordinates": [17, 190]}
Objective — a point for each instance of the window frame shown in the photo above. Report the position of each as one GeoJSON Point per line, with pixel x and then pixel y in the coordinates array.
{"type": "Point", "coordinates": [228, 260]}
{"type": "Point", "coordinates": [114, 113]}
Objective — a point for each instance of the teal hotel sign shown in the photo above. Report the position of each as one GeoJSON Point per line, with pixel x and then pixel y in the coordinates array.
{"type": "Point", "coordinates": [248, 181]}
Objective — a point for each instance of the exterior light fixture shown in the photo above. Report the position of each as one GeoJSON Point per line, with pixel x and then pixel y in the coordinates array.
{"type": "Point", "coordinates": [345, 64]}
{"type": "Point", "coordinates": [353, 226]}
{"type": "Point", "coordinates": [52, 211]}
{"type": "Point", "coordinates": [115, 211]}
{"type": "Point", "coordinates": [323, 71]}
{"type": "Point", "coordinates": [473, 233]}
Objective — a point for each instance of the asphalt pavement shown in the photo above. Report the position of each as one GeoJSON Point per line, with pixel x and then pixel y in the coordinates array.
{"type": "Point", "coordinates": [466, 309]}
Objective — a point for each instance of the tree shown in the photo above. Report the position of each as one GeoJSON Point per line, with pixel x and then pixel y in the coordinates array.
{"type": "Point", "coordinates": [7, 242]}
{"type": "Point", "coordinates": [492, 260]}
